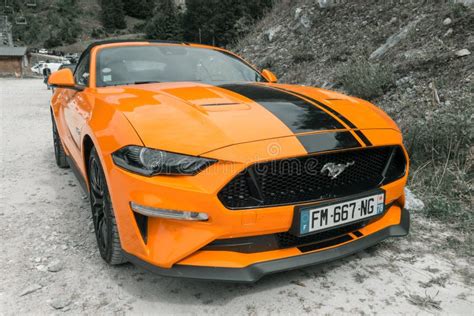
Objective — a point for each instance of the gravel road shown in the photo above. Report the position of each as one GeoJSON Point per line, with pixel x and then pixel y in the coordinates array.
{"type": "Point", "coordinates": [49, 262]}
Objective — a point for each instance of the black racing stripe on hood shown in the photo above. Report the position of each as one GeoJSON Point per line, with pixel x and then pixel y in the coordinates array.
{"type": "Point", "coordinates": [316, 143]}
{"type": "Point", "coordinates": [297, 114]}
{"type": "Point", "coordinates": [324, 106]}
{"type": "Point", "coordinates": [363, 138]}
{"type": "Point", "coordinates": [337, 114]}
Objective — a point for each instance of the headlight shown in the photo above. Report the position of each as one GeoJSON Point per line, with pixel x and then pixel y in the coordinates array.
{"type": "Point", "coordinates": [150, 162]}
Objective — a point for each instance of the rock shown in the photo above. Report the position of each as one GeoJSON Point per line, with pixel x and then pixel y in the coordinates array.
{"type": "Point", "coordinates": [302, 17]}
{"type": "Point", "coordinates": [412, 203]}
{"type": "Point", "coordinates": [55, 266]}
{"type": "Point", "coordinates": [30, 289]}
{"type": "Point", "coordinates": [60, 302]}
{"type": "Point", "coordinates": [272, 32]}
{"type": "Point", "coordinates": [448, 32]}
{"type": "Point", "coordinates": [462, 52]}
{"type": "Point", "coordinates": [41, 268]}
{"type": "Point", "coordinates": [393, 20]}
{"type": "Point", "coordinates": [326, 3]}
{"type": "Point", "coordinates": [297, 13]}
{"type": "Point", "coordinates": [394, 40]}
{"type": "Point", "coordinates": [466, 2]}
{"type": "Point", "coordinates": [447, 21]}
{"type": "Point", "coordinates": [306, 21]}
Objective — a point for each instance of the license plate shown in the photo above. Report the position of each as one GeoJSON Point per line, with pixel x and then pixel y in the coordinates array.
{"type": "Point", "coordinates": [319, 218]}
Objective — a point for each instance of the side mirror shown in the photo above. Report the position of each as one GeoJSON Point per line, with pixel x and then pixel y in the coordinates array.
{"type": "Point", "coordinates": [270, 76]}
{"type": "Point", "coordinates": [62, 79]}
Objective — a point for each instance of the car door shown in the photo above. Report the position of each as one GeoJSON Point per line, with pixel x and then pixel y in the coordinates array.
{"type": "Point", "coordinates": [77, 109]}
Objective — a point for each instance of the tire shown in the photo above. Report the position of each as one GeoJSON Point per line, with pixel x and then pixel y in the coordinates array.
{"type": "Point", "coordinates": [105, 226]}
{"type": "Point", "coordinates": [59, 154]}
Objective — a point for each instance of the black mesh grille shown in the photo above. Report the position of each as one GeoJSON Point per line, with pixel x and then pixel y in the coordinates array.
{"type": "Point", "coordinates": [304, 179]}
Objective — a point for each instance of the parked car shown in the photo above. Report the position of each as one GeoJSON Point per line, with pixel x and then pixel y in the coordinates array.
{"type": "Point", "coordinates": [43, 51]}
{"type": "Point", "coordinates": [198, 165]}
{"type": "Point", "coordinates": [38, 68]}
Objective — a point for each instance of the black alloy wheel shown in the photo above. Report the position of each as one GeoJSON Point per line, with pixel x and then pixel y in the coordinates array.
{"type": "Point", "coordinates": [105, 226]}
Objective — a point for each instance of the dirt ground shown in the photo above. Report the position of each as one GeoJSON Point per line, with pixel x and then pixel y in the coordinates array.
{"type": "Point", "coordinates": [49, 262]}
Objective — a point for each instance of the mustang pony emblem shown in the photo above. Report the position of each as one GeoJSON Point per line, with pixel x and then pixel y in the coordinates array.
{"type": "Point", "coordinates": [335, 169]}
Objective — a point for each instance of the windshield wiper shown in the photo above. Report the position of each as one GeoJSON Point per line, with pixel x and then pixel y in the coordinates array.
{"type": "Point", "coordinates": [135, 82]}
{"type": "Point", "coordinates": [143, 82]}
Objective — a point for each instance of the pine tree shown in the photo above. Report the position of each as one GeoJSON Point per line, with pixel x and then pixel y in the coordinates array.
{"type": "Point", "coordinates": [221, 22]}
{"type": "Point", "coordinates": [112, 14]}
{"type": "Point", "coordinates": [165, 24]}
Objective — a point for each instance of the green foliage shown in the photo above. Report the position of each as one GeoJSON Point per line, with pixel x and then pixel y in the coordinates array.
{"type": "Point", "coordinates": [97, 33]}
{"type": "Point", "coordinates": [59, 26]}
{"type": "Point", "coordinates": [457, 10]}
{"type": "Point", "coordinates": [440, 148]}
{"type": "Point", "coordinates": [221, 22]}
{"type": "Point", "coordinates": [447, 131]}
{"type": "Point", "coordinates": [112, 14]}
{"type": "Point", "coordinates": [165, 24]}
{"type": "Point", "coordinates": [140, 9]}
{"type": "Point", "coordinates": [364, 79]}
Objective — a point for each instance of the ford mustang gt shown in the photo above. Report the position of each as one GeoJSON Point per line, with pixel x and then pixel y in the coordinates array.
{"type": "Point", "coordinates": [198, 165]}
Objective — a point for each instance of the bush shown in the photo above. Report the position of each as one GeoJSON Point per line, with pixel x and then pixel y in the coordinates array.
{"type": "Point", "coordinates": [112, 14]}
{"type": "Point", "coordinates": [440, 145]}
{"type": "Point", "coordinates": [301, 57]}
{"type": "Point", "coordinates": [446, 133]}
{"type": "Point", "coordinates": [365, 80]}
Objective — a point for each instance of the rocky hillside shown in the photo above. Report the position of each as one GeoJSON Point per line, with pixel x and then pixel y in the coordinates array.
{"type": "Point", "coordinates": [412, 58]}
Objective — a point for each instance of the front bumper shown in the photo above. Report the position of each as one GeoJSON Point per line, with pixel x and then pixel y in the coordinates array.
{"type": "Point", "coordinates": [254, 272]}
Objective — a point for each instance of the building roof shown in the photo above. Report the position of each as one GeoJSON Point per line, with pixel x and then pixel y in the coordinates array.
{"type": "Point", "coordinates": [12, 51]}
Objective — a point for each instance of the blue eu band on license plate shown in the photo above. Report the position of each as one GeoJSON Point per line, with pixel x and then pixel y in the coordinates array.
{"type": "Point", "coordinates": [318, 218]}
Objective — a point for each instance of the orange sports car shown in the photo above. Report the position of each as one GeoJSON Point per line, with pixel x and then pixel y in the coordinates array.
{"type": "Point", "coordinates": [198, 165]}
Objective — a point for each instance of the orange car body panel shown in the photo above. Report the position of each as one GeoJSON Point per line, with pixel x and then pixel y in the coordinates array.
{"type": "Point", "coordinates": [237, 135]}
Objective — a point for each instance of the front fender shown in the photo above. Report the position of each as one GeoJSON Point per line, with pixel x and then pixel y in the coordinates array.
{"type": "Point", "coordinates": [109, 130]}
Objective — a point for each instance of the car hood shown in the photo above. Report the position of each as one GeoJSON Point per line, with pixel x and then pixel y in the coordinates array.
{"type": "Point", "coordinates": [196, 118]}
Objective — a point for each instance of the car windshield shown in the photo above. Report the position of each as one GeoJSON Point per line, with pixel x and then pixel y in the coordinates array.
{"type": "Point", "coordinates": [172, 63]}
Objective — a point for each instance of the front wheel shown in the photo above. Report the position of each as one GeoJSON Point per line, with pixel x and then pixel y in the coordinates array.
{"type": "Point", "coordinates": [105, 227]}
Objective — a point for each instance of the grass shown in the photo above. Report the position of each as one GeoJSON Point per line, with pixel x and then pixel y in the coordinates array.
{"type": "Point", "coordinates": [364, 79]}
{"type": "Point", "coordinates": [442, 155]}
{"type": "Point", "coordinates": [425, 302]}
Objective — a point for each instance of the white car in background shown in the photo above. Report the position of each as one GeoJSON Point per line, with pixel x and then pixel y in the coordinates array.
{"type": "Point", "coordinates": [38, 68]}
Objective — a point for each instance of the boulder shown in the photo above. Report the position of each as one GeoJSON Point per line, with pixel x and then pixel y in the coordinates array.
{"type": "Point", "coordinates": [462, 52]}
{"type": "Point", "coordinates": [393, 40]}
{"type": "Point", "coordinates": [324, 4]}
{"type": "Point", "coordinates": [447, 21]}
{"type": "Point", "coordinates": [412, 203]}
{"type": "Point", "coordinates": [272, 32]}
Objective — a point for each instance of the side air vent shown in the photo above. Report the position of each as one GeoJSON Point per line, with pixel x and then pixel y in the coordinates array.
{"type": "Point", "coordinates": [142, 223]}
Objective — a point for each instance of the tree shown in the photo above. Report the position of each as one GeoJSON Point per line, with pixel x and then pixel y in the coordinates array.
{"type": "Point", "coordinates": [112, 14]}
{"type": "Point", "coordinates": [221, 22]}
{"type": "Point", "coordinates": [165, 24]}
{"type": "Point", "coordinates": [140, 9]}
